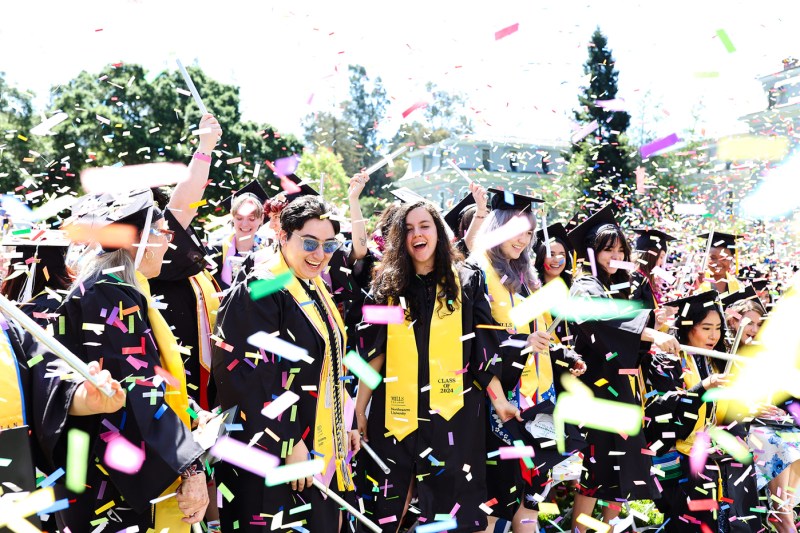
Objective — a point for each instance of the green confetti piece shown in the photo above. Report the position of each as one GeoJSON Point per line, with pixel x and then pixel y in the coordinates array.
{"type": "Point", "coordinates": [726, 41]}
{"type": "Point", "coordinates": [35, 360]}
{"type": "Point", "coordinates": [300, 509]}
{"type": "Point", "coordinates": [226, 493]}
{"type": "Point", "coordinates": [192, 413]}
{"type": "Point", "coordinates": [235, 524]}
{"type": "Point", "coordinates": [612, 391]}
{"type": "Point", "coordinates": [77, 459]}
{"type": "Point", "coordinates": [730, 444]}
{"type": "Point", "coordinates": [362, 370]}
{"type": "Point", "coordinates": [264, 287]}
{"type": "Point", "coordinates": [21, 231]}
{"type": "Point", "coordinates": [62, 325]}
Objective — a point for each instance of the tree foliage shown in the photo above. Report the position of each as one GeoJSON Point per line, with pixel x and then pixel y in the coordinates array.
{"type": "Point", "coordinates": [325, 168]}
{"type": "Point", "coordinates": [602, 163]}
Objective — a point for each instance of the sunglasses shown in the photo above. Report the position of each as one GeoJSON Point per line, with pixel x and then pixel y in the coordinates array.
{"type": "Point", "coordinates": [309, 245]}
{"type": "Point", "coordinates": [168, 234]}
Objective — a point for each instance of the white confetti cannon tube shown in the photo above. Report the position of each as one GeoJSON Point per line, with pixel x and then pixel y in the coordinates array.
{"type": "Point", "coordinates": [712, 353]}
{"type": "Point", "coordinates": [58, 349]}
{"type": "Point", "coordinates": [375, 457]}
{"type": "Point", "coordinates": [385, 161]}
{"type": "Point", "coordinates": [192, 88]}
{"type": "Point", "coordinates": [350, 509]}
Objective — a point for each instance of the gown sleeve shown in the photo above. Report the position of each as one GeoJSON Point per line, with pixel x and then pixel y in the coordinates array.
{"type": "Point", "coordinates": [146, 419]}
{"type": "Point", "coordinates": [484, 361]}
{"type": "Point", "coordinates": [248, 378]}
{"type": "Point", "coordinates": [620, 334]}
{"type": "Point", "coordinates": [670, 407]}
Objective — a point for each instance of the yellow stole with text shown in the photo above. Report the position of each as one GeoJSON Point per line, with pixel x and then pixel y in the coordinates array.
{"type": "Point", "coordinates": [445, 360]}
{"type": "Point", "coordinates": [330, 434]}
{"type": "Point", "coordinates": [12, 410]}
{"type": "Point", "coordinates": [691, 377]}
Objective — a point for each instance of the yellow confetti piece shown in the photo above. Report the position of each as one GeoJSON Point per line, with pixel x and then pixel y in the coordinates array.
{"type": "Point", "coordinates": [195, 205]}
{"type": "Point", "coordinates": [600, 382]}
{"type": "Point", "coordinates": [595, 524]}
{"type": "Point", "coordinates": [105, 507]}
{"type": "Point", "coordinates": [549, 508]}
{"type": "Point", "coordinates": [753, 147]}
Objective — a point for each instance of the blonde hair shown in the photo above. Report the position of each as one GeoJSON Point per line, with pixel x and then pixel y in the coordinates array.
{"type": "Point", "coordinates": [241, 199]}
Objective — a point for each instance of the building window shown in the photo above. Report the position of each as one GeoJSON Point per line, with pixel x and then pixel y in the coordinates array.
{"type": "Point", "coordinates": [513, 161]}
{"type": "Point", "coordinates": [487, 164]}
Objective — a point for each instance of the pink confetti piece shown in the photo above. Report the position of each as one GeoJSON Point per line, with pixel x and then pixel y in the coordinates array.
{"type": "Point", "coordinates": [245, 457]}
{"type": "Point", "coordinates": [505, 32]}
{"type": "Point", "coordinates": [703, 505]}
{"type": "Point", "coordinates": [660, 144]}
{"type": "Point", "coordinates": [615, 104]}
{"type": "Point", "coordinates": [387, 520]}
{"type": "Point", "coordinates": [418, 105]}
{"type": "Point", "coordinates": [136, 363]}
{"type": "Point", "coordinates": [516, 452]}
{"type": "Point", "coordinates": [592, 263]}
{"type": "Point", "coordinates": [624, 265]}
{"type": "Point", "coordinates": [383, 314]}
{"type": "Point", "coordinates": [582, 132]}
{"type": "Point", "coordinates": [171, 380]}
{"type": "Point", "coordinates": [699, 453]}
{"type": "Point", "coordinates": [123, 456]}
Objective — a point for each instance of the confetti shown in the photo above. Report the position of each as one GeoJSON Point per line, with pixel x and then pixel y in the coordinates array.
{"type": "Point", "coordinates": [122, 179]}
{"type": "Point", "coordinates": [362, 370]}
{"type": "Point", "coordinates": [123, 456]}
{"type": "Point", "coordinates": [291, 472]}
{"type": "Point", "coordinates": [726, 41]}
{"type": "Point", "coordinates": [277, 406]}
{"type": "Point", "coordinates": [505, 32]}
{"type": "Point", "coordinates": [245, 457]}
{"type": "Point", "coordinates": [383, 314]}
{"type": "Point", "coordinates": [753, 147]}
{"type": "Point", "coordinates": [656, 146]}
{"type": "Point", "coordinates": [507, 231]}
{"type": "Point", "coordinates": [418, 105]}
{"type": "Point", "coordinates": [433, 527]}
{"type": "Point", "coordinates": [273, 344]}
{"type": "Point", "coordinates": [77, 460]}
{"type": "Point", "coordinates": [45, 127]}
{"type": "Point", "coordinates": [549, 296]}
{"type": "Point", "coordinates": [264, 287]}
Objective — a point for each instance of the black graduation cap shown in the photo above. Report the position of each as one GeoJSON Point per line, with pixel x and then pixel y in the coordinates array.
{"type": "Point", "coordinates": [253, 188]}
{"type": "Point", "coordinates": [49, 246]}
{"type": "Point", "coordinates": [579, 234]}
{"type": "Point", "coordinates": [511, 200]}
{"type": "Point", "coordinates": [554, 231]}
{"type": "Point", "coordinates": [701, 299]}
{"type": "Point", "coordinates": [747, 292]}
{"type": "Point", "coordinates": [456, 213]}
{"type": "Point", "coordinates": [103, 209]}
{"type": "Point", "coordinates": [407, 196]}
{"type": "Point", "coordinates": [652, 239]}
{"type": "Point", "coordinates": [721, 240]}
{"type": "Point", "coordinates": [573, 222]}
{"type": "Point", "coordinates": [305, 188]}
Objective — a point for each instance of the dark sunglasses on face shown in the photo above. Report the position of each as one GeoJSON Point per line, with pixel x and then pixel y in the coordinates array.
{"type": "Point", "coordinates": [309, 245]}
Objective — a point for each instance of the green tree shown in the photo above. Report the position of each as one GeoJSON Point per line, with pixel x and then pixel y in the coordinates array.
{"type": "Point", "coordinates": [445, 111]}
{"type": "Point", "coordinates": [23, 156]}
{"type": "Point", "coordinates": [601, 164]}
{"type": "Point", "coordinates": [119, 117]}
{"type": "Point", "coordinates": [325, 168]}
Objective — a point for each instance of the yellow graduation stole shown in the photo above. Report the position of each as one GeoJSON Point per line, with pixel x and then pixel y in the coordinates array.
{"type": "Point", "coordinates": [733, 284]}
{"type": "Point", "coordinates": [167, 514]}
{"type": "Point", "coordinates": [12, 403]}
{"type": "Point", "coordinates": [445, 357]}
{"type": "Point", "coordinates": [537, 376]}
{"type": "Point", "coordinates": [330, 435]}
{"type": "Point", "coordinates": [691, 377]}
{"type": "Point", "coordinates": [205, 292]}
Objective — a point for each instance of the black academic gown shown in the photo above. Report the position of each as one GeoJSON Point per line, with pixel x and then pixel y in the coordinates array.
{"type": "Point", "coordinates": [167, 442]}
{"type": "Point", "coordinates": [185, 257]}
{"type": "Point", "coordinates": [672, 411]}
{"type": "Point", "coordinates": [46, 400]}
{"type": "Point", "coordinates": [457, 444]}
{"type": "Point", "coordinates": [249, 383]}
{"type": "Point", "coordinates": [642, 290]}
{"type": "Point", "coordinates": [608, 476]}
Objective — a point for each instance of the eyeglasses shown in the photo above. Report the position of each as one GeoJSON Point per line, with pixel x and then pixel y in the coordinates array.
{"type": "Point", "coordinates": [309, 245]}
{"type": "Point", "coordinates": [168, 234]}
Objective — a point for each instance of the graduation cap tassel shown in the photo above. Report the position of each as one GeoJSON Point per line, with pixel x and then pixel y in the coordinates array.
{"type": "Point", "coordinates": [58, 349]}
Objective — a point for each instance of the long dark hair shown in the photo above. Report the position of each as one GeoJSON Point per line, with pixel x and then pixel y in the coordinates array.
{"type": "Point", "coordinates": [606, 236]}
{"type": "Point", "coordinates": [646, 261]}
{"type": "Point", "coordinates": [695, 315]}
{"type": "Point", "coordinates": [541, 257]}
{"type": "Point", "coordinates": [59, 275]}
{"type": "Point", "coordinates": [396, 270]}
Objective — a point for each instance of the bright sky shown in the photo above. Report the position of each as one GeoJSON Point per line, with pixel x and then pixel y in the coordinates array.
{"type": "Point", "coordinates": [286, 54]}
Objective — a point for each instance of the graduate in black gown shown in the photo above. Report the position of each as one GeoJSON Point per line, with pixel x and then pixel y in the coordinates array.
{"type": "Point", "coordinates": [527, 377]}
{"type": "Point", "coordinates": [301, 311]}
{"type": "Point", "coordinates": [38, 392]}
{"type": "Point", "coordinates": [678, 420]}
{"type": "Point", "coordinates": [110, 315]}
{"type": "Point", "coordinates": [616, 469]}
{"type": "Point", "coordinates": [651, 247]}
{"type": "Point", "coordinates": [427, 419]}
{"type": "Point", "coordinates": [43, 260]}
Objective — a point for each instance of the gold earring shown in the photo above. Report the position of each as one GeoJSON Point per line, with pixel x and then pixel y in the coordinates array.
{"type": "Point", "coordinates": [149, 257]}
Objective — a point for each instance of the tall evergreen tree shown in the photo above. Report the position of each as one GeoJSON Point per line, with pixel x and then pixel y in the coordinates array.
{"type": "Point", "coordinates": [602, 163]}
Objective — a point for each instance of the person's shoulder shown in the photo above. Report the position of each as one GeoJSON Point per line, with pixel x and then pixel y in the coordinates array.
{"type": "Point", "coordinates": [108, 288]}
{"type": "Point", "coordinates": [586, 285]}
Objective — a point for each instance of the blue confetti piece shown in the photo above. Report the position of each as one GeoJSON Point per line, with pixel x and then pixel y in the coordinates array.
{"type": "Point", "coordinates": [234, 427]}
{"type": "Point", "coordinates": [52, 478]}
{"type": "Point", "coordinates": [435, 527]}
{"type": "Point", "coordinates": [160, 411]}
{"type": "Point", "coordinates": [58, 505]}
{"type": "Point", "coordinates": [508, 197]}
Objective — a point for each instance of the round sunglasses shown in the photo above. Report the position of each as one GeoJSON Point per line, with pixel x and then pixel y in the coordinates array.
{"type": "Point", "coordinates": [309, 244]}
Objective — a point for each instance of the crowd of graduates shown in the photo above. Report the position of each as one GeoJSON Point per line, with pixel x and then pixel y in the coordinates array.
{"type": "Point", "coordinates": [273, 336]}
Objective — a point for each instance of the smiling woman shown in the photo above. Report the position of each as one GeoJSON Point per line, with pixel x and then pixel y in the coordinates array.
{"type": "Point", "coordinates": [302, 313]}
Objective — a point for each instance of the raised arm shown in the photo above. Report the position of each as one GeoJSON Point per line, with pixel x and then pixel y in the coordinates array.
{"type": "Point", "coordinates": [359, 225]}
{"type": "Point", "coordinates": [479, 193]}
{"type": "Point", "coordinates": [188, 193]}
